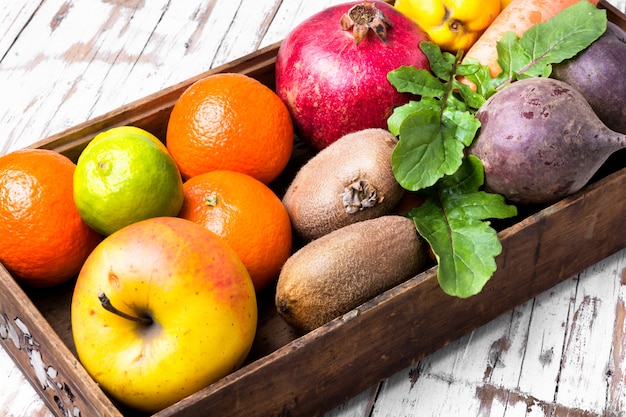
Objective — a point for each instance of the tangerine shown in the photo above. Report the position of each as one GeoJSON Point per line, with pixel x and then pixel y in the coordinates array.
{"type": "Point", "coordinates": [247, 214]}
{"type": "Point", "coordinates": [230, 121]}
{"type": "Point", "coordinates": [43, 239]}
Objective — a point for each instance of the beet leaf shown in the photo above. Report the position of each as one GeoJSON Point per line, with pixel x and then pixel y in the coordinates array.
{"type": "Point", "coordinates": [453, 220]}
{"type": "Point", "coordinates": [434, 130]}
{"type": "Point", "coordinates": [551, 42]}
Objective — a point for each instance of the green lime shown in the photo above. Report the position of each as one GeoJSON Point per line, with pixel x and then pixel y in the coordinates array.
{"type": "Point", "coordinates": [125, 175]}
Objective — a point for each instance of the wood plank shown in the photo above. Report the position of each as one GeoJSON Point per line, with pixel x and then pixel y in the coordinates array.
{"type": "Point", "coordinates": [290, 14]}
{"type": "Point", "coordinates": [79, 42]}
{"type": "Point", "coordinates": [17, 396]}
{"type": "Point", "coordinates": [545, 339]}
{"type": "Point", "coordinates": [12, 21]}
{"type": "Point", "coordinates": [453, 381]}
{"type": "Point", "coordinates": [616, 374]}
{"type": "Point", "coordinates": [360, 405]}
{"type": "Point", "coordinates": [96, 56]}
{"type": "Point", "coordinates": [587, 355]}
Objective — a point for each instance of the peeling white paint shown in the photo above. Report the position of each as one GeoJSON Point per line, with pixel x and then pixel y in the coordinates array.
{"type": "Point", "coordinates": [21, 338]}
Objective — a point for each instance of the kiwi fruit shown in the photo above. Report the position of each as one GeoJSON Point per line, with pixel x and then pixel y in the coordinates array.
{"type": "Point", "coordinates": [341, 270]}
{"type": "Point", "coordinates": [349, 181]}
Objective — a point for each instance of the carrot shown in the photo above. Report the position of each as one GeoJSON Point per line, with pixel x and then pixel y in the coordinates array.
{"type": "Point", "coordinates": [517, 17]}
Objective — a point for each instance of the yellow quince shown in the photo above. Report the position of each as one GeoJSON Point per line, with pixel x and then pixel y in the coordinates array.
{"type": "Point", "coordinates": [451, 24]}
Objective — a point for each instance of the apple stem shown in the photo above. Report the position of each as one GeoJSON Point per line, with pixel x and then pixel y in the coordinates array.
{"type": "Point", "coordinates": [106, 304]}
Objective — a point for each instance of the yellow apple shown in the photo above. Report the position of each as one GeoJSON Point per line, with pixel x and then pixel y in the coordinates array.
{"type": "Point", "coordinates": [161, 309]}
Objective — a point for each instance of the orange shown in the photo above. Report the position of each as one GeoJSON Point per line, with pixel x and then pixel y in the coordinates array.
{"type": "Point", "coordinates": [247, 214]}
{"type": "Point", "coordinates": [230, 121]}
{"type": "Point", "coordinates": [43, 240]}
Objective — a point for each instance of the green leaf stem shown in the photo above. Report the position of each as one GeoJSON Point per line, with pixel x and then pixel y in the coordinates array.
{"type": "Point", "coordinates": [435, 130]}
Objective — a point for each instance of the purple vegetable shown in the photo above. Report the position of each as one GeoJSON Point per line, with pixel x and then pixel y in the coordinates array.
{"type": "Point", "coordinates": [540, 140]}
{"type": "Point", "coordinates": [598, 73]}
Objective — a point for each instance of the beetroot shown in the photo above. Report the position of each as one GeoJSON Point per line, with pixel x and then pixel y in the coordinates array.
{"type": "Point", "coordinates": [598, 73]}
{"type": "Point", "coordinates": [331, 70]}
{"type": "Point", "coordinates": [540, 141]}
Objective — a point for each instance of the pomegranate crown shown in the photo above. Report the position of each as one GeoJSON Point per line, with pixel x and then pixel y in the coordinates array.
{"type": "Point", "coordinates": [363, 17]}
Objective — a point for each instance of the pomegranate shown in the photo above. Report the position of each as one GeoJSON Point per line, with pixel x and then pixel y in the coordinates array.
{"type": "Point", "coordinates": [331, 70]}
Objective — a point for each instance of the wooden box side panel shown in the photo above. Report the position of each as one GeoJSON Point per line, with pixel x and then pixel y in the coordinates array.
{"type": "Point", "coordinates": [44, 359]}
{"type": "Point", "coordinates": [339, 360]}
{"type": "Point", "coordinates": [613, 14]}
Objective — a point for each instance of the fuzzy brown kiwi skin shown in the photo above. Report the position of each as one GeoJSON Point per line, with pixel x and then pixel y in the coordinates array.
{"type": "Point", "coordinates": [349, 181]}
{"type": "Point", "coordinates": [332, 275]}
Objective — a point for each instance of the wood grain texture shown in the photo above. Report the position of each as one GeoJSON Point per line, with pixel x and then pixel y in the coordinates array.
{"type": "Point", "coordinates": [63, 63]}
{"type": "Point", "coordinates": [525, 367]}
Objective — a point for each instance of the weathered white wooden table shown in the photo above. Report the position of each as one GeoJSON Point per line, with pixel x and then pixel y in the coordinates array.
{"type": "Point", "coordinates": [63, 62]}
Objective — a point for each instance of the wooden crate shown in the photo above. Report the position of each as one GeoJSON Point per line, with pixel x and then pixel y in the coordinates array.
{"type": "Point", "coordinates": [291, 375]}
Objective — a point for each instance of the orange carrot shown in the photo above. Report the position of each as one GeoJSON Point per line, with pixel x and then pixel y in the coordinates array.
{"type": "Point", "coordinates": [517, 17]}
